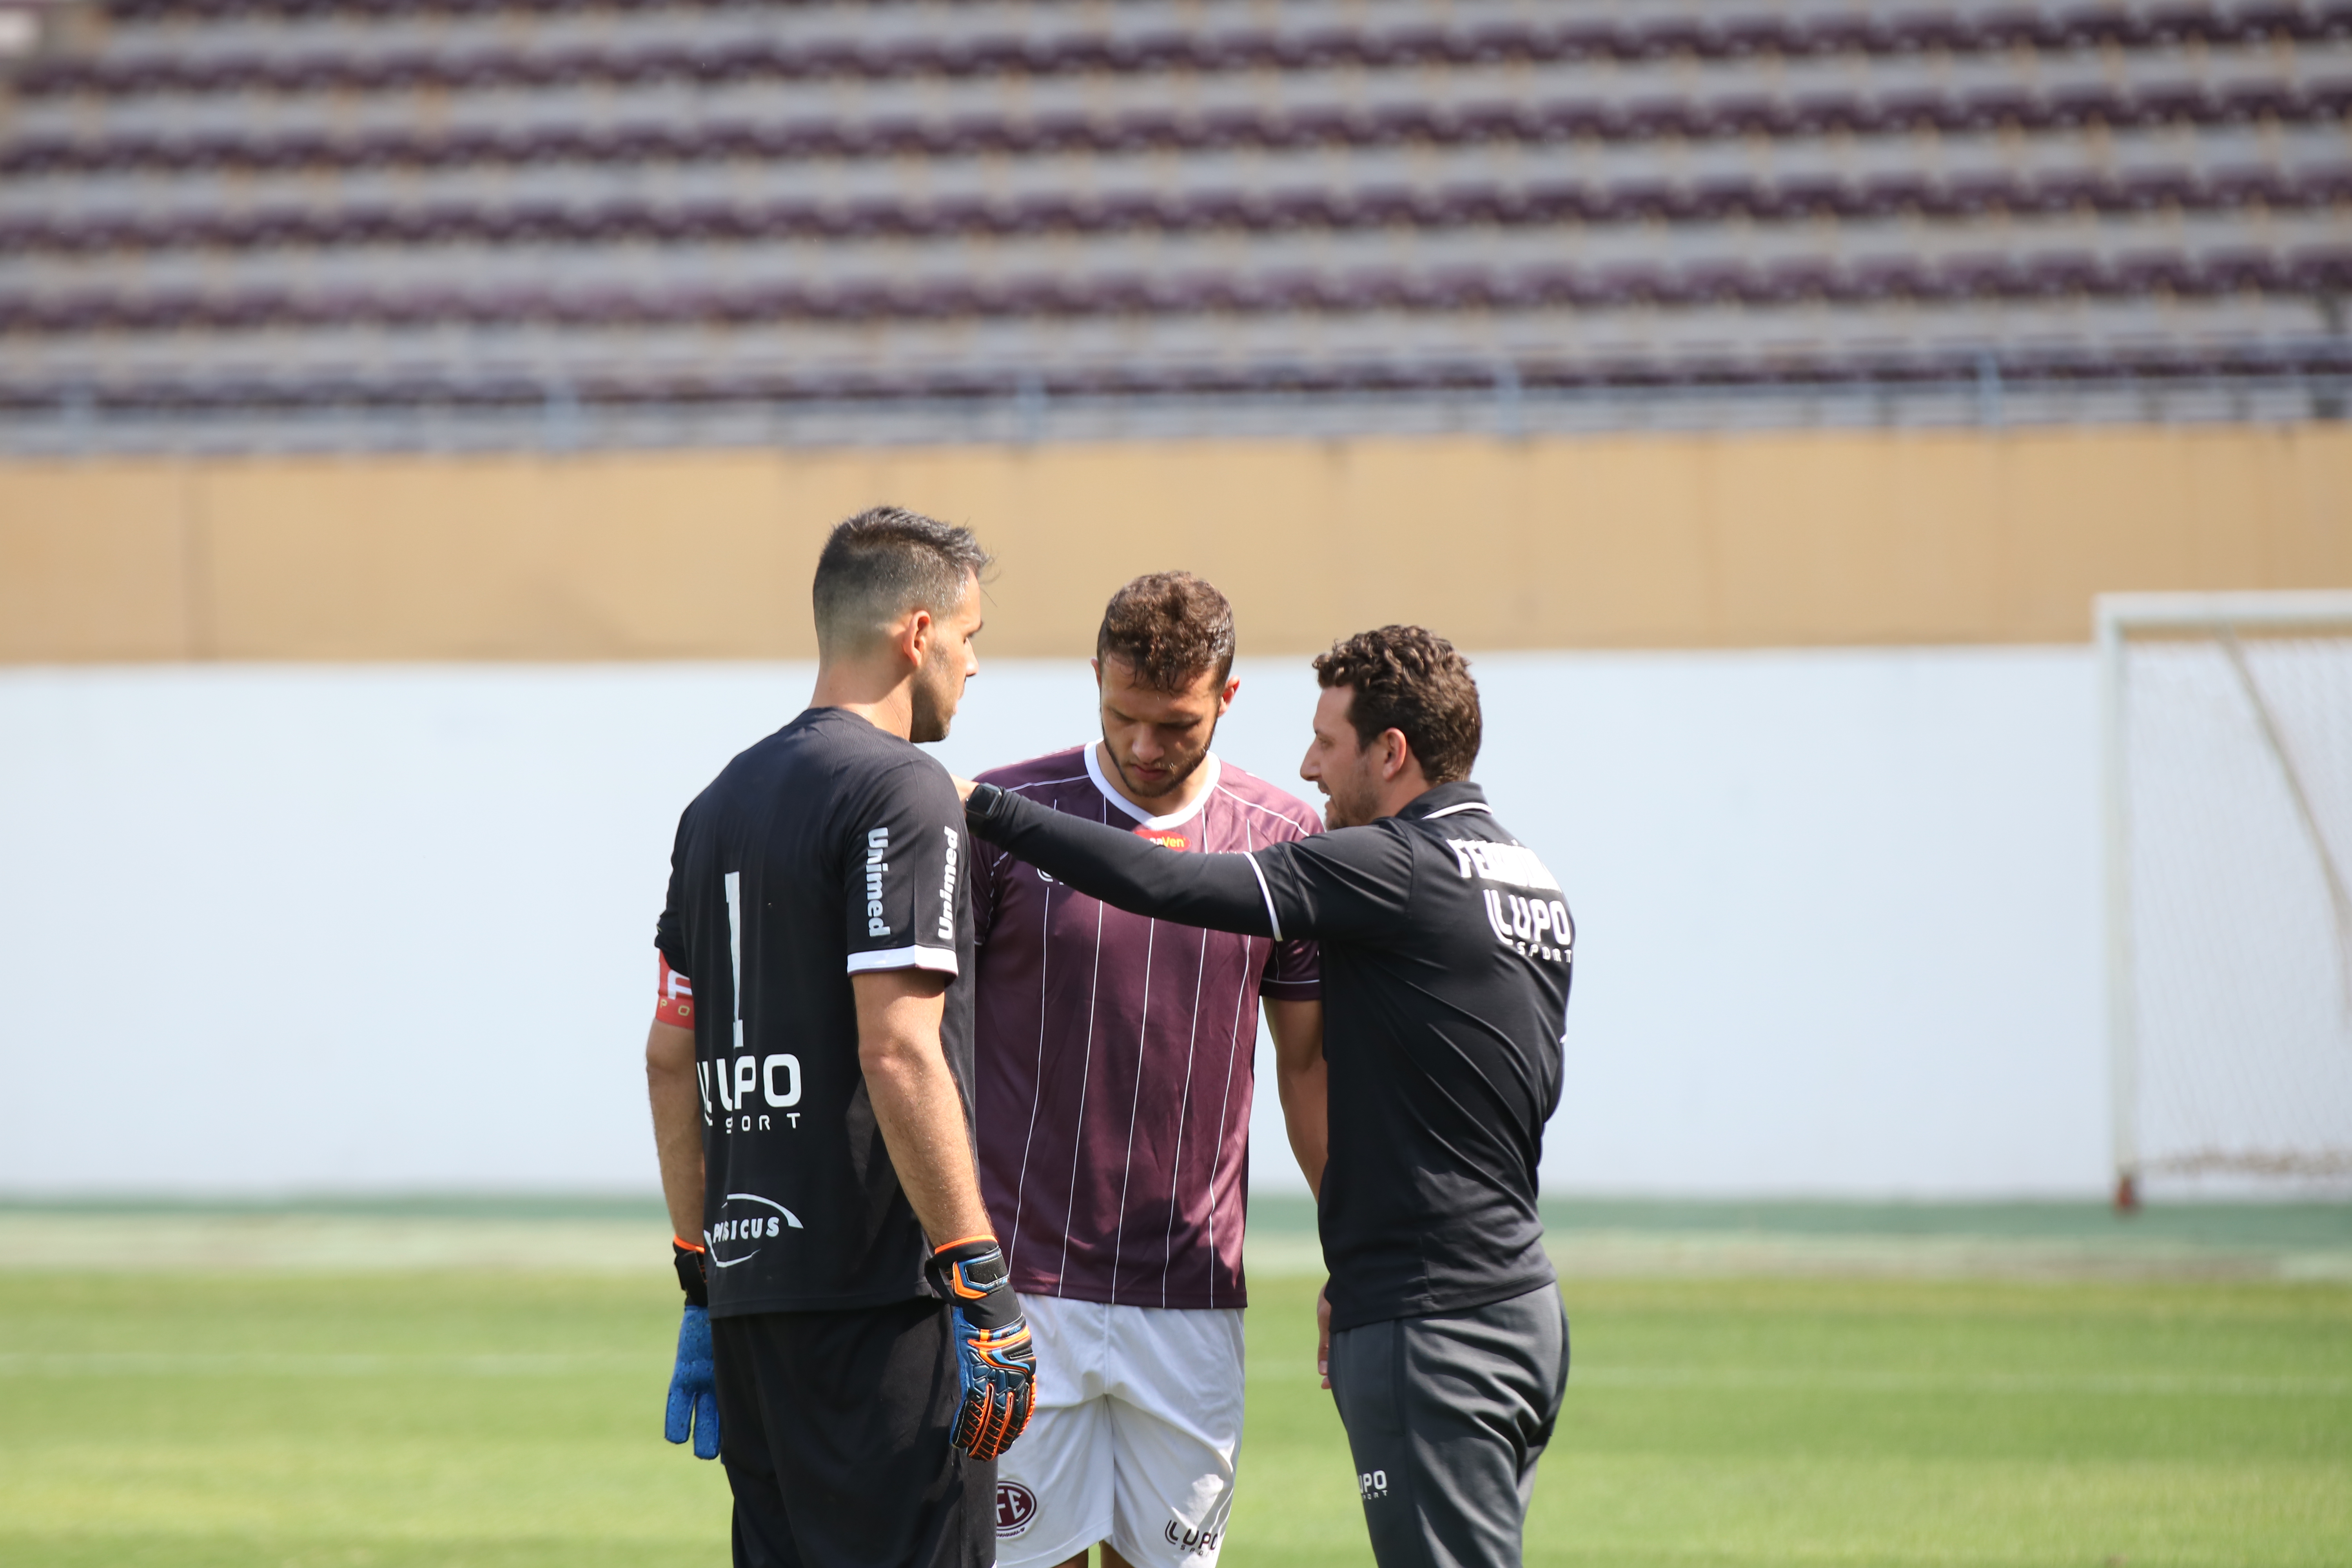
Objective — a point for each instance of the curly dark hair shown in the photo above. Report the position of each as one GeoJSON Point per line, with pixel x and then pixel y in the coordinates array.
{"type": "Point", "coordinates": [1409, 679]}
{"type": "Point", "coordinates": [883, 562]}
{"type": "Point", "coordinates": [1168, 627]}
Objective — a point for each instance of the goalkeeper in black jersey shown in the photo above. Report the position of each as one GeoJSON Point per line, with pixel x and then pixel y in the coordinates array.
{"type": "Point", "coordinates": [852, 1349]}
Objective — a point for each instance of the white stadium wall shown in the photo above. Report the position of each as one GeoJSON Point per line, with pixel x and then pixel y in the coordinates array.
{"type": "Point", "coordinates": [376, 929]}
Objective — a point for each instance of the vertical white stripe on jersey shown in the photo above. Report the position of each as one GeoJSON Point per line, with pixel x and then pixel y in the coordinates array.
{"type": "Point", "coordinates": [1183, 1114]}
{"type": "Point", "coordinates": [1037, 1086]}
{"type": "Point", "coordinates": [1135, 1108]}
{"type": "Point", "coordinates": [735, 947]}
{"type": "Point", "coordinates": [1225, 1109]}
{"type": "Point", "coordinates": [1037, 1090]}
{"type": "Point", "coordinates": [1265, 892]}
{"type": "Point", "coordinates": [1085, 1072]}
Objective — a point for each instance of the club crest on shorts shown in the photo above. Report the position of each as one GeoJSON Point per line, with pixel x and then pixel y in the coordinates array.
{"type": "Point", "coordinates": [1016, 1509]}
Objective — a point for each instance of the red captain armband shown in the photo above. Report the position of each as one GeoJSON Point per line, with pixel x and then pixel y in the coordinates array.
{"type": "Point", "coordinates": [674, 1004]}
{"type": "Point", "coordinates": [1166, 838]}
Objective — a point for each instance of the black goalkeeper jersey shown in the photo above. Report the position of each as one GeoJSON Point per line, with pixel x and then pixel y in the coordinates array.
{"type": "Point", "coordinates": [829, 848]}
{"type": "Point", "coordinates": [1446, 946]}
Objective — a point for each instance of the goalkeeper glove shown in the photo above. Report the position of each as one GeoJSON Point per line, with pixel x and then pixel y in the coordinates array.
{"type": "Point", "coordinates": [693, 1384]}
{"type": "Point", "coordinates": [992, 1350]}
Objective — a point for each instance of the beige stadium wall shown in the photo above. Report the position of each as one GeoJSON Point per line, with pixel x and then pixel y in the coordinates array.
{"type": "Point", "coordinates": [1618, 541]}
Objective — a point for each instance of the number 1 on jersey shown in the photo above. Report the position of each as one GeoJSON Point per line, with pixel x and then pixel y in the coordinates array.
{"type": "Point", "coordinates": [741, 1076]}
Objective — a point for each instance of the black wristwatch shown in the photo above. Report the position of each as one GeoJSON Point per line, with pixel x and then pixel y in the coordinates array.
{"type": "Point", "coordinates": [980, 806]}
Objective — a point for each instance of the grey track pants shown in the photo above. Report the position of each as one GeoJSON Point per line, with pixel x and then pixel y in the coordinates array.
{"type": "Point", "coordinates": [1446, 1417]}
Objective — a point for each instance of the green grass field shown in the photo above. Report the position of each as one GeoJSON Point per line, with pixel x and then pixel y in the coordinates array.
{"type": "Point", "coordinates": [446, 1418]}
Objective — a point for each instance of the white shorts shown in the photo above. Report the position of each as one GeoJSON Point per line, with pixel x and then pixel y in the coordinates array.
{"type": "Point", "coordinates": [1138, 1426]}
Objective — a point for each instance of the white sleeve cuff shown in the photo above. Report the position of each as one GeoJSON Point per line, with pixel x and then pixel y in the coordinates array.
{"type": "Point", "coordinates": [942, 959]}
{"type": "Point", "coordinates": [1272, 918]}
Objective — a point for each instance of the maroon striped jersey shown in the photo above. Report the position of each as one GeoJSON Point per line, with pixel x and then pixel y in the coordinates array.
{"type": "Point", "coordinates": [1114, 1053]}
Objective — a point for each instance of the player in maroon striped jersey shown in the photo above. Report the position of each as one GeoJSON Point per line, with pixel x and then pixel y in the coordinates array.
{"type": "Point", "coordinates": [1114, 1056]}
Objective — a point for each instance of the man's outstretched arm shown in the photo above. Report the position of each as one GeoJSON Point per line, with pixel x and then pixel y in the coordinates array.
{"type": "Point", "coordinates": [1222, 893]}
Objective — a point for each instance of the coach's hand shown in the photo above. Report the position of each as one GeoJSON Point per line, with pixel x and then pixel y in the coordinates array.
{"type": "Point", "coordinates": [992, 1348]}
{"type": "Point", "coordinates": [693, 1384]}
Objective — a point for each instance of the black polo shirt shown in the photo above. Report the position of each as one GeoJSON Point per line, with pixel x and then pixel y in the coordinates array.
{"type": "Point", "coordinates": [829, 849]}
{"type": "Point", "coordinates": [1446, 951]}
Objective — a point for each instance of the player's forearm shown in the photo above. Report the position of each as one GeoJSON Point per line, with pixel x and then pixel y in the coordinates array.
{"type": "Point", "coordinates": [677, 1124]}
{"type": "Point", "coordinates": [1302, 1079]}
{"type": "Point", "coordinates": [1219, 891]}
{"type": "Point", "coordinates": [920, 1110]}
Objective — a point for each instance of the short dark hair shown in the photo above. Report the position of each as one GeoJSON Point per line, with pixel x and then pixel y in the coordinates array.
{"type": "Point", "coordinates": [1169, 627]}
{"type": "Point", "coordinates": [1409, 679]}
{"type": "Point", "coordinates": [883, 562]}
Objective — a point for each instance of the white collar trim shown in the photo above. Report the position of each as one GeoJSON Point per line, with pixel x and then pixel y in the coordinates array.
{"type": "Point", "coordinates": [1211, 766]}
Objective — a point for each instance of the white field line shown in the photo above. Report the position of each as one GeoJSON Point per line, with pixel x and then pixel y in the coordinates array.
{"type": "Point", "coordinates": [334, 1365]}
{"type": "Point", "coordinates": [328, 1363]}
{"type": "Point", "coordinates": [1699, 1254]}
{"type": "Point", "coordinates": [1798, 1379]}
{"type": "Point", "coordinates": [1921, 1385]}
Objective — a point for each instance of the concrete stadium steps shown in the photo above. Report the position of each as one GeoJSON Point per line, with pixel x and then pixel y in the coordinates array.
{"type": "Point", "coordinates": [1259, 68]}
{"type": "Point", "coordinates": [263, 382]}
{"type": "Point", "coordinates": [218, 41]}
{"type": "Point", "coordinates": [1895, 233]}
{"type": "Point", "coordinates": [1487, 104]}
{"type": "Point", "coordinates": [623, 297]}
{"type": "Point", "coordinates": [1957, 175]}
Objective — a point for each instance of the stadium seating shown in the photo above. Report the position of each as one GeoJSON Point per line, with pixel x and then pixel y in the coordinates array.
{"type": "Point", "coordinates": [245, 205]}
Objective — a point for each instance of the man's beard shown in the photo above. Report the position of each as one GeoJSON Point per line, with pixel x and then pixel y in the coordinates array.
{"type": "Point", "coordinates": [1168, 786]}
{"type": "Point", "coordinates": [1175, 781]}
{"type": "Point", "coordinates": [1344, 807]}
{"type": "Point", "coordinates": [932, 711]}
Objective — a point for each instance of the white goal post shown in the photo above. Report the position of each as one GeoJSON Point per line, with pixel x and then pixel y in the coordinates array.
{"type": "Point", "coordinates": [2227, 741]}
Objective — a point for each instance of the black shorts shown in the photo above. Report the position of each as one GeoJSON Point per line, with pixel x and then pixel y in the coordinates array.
{"type": "Point", "coordinates": [834, 1428]}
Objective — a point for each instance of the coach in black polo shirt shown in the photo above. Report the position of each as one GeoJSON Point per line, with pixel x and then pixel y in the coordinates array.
{"type": "Point", "coordinates": [1446, 948]}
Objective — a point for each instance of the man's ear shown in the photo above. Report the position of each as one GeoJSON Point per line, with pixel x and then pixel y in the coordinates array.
{"type": "Point", "coordinates": [1225, 701]}
{"type": "Point", "coordinates": [915, 639]}
{"type": "Point", "coordinates": [1395, 752]}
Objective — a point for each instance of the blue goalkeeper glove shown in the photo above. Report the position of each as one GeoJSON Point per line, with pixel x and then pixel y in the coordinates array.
{"type": "Point", "coordinates": [694, 1385]}
{"type": "Point", "coordinates": [992, 1350]}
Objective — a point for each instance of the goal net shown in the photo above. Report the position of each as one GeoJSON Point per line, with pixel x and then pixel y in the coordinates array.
{"type": "Point", "coordinates": [2229, 807]}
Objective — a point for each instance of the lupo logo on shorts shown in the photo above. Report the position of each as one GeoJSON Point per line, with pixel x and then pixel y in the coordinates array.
{"type": "Point", "coordinates": [1016, 1509]}
{"type": "Point", "coordinates": [1192, 1541]}
{"type": "Point", "coordinates": [1374, 1484]}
